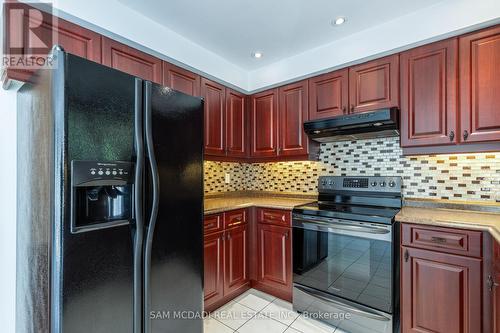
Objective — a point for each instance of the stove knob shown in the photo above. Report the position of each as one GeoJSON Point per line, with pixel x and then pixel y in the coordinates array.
{"type": "Point", "coordinates": [374, 183]}
{"type": "Point", "coordinates": [392, 183]}
{"type": "Point", "coordinates": [382, 184]}
{"type": "Point", "coordinates": [323, 182]}
{"type": "Point", "coordinates": [330, 182]}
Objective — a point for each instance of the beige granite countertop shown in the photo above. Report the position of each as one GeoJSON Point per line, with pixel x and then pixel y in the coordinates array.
{"type": "Point", "coordinates": [221, 203]}
{"type": "Point", "coordinates": [456, 218]}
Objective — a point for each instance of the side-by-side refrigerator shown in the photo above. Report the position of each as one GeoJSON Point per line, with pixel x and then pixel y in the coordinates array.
{"type": "Point", "coordinates": [110, 203]}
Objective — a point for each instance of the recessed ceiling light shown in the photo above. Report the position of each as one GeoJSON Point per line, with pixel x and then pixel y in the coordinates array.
{"type": "Point", "coordinates": [338, 21]}
{"type": "Point", "coordinates": [257, 55]}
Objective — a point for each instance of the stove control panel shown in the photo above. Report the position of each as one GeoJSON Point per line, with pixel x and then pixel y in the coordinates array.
{"type": "Point", "coordinates": [365, 184]}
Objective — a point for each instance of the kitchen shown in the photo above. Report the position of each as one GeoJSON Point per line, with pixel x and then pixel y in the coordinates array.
{"type": "Point", "coordinates": [321, 187]}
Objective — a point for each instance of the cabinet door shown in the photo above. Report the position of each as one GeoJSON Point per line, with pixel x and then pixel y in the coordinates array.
{"type": "Point", "coordinates": [293, 111]}
{"type": "Point", "coordinates": [235, 259]}
{"type": "Point", "coordinates": [51, 30]}
{"type": "Point", "coordinates": [213, 268]}
{"type": "Point", "coordinates": [480, 86]}
{"type": "Point", "coordinates": [374, 85]}
{"type": "Point", "coordinates": [328, 95]}
{"type": "Point", "coordinates": [236, 141]}
{"type": "Point", "coordinates": [264, 121]}
{"type": "Point", "coordinates": [274, 256]}
{"type": "Point", "coordinates": [214, 95]}
{"type": "Point", "coordinates": [496, 302]}
{"type": "Point", "coordinates": [496, 287]}
{"type": "Point", "coordinates": [181, 79]}
{"type": "Point", "coordinates": [440, 292]}
{"type": "Point", "coordinates": [131, 61]}
{"type": "Point", "coordinates": [429, 95]}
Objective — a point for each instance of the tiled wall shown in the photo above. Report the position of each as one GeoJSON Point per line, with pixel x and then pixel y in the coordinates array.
{"type": "Point", "coordinates": [454, 177]}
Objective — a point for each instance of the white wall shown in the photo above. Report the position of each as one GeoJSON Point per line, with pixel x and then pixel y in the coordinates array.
{"type": "Point", "coordinates": [7, 209]}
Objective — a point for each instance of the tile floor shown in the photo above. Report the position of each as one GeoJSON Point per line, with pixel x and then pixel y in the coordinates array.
{"type": "Point", "coordinates": [257, 312]}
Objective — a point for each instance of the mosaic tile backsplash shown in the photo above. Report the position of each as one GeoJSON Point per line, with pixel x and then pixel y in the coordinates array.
{"type": "Point", "coordinates": [452, 177]}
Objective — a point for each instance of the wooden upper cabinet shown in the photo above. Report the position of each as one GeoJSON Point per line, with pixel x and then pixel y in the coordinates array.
{"type": "Point", "coordinates": [328, 95]}
{"type": "Point", "coordinates": [429, 95]}
{"type": "Point", "coordinates": [293, 111]}
{"type": "Point", "coordinates": [181, 79]}
{"type": "Point", "coordinates": [49, 30]}
{"type": "Point", "coordinates": [264, 121]}
{"type": "Point", "coordinates": [440, 292]}
{"type": "Point", "coordinates": [236, 122]}
{"type": "Point", "coordinates": [374, 84]}
{"type": "Point", "coordinates": [214, 95]}
{"type": "Point", "coordinates": [480, 86]}
{"type": "Point", "coordinates": [131, 61]}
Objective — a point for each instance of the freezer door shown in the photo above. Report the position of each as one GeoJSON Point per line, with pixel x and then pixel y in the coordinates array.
{"type": "Point", "coordinates": [173, 255]}
{"type": "Point", "coordinates": [93, 268]}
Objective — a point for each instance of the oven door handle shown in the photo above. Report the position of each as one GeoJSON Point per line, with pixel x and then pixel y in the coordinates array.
{"type": "Point", "coordinates": [324, 226]}
{"type": "Point", "coordinates": [363, 312]}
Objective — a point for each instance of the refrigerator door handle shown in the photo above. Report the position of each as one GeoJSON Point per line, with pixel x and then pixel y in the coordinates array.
{"type": "Point", "coordinates": [155, 202]}
{"type": "Point", "coordinates": [138, 194]}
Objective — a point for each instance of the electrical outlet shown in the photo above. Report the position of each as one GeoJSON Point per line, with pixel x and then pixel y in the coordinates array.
{"type": "Point", "coordinates": [227, 178]}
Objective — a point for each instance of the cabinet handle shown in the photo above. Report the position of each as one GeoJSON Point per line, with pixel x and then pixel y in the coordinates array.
{"type": "Point", "coordinates": [210, 225]}
{"type": "Point", "coordinates": [344, 109]}
{"type": "Point", "coordinates": [406, 255]}
{"type": "Point", "coordinates": [236, 223]}
{"type": "Point", "coordinates": [279, 150]}
{"type": "Point", "coordinates": [228, 236]}
{"type": "Point", "coordinates": [491, 283]}
{"type": "Point", "coordinates": [286, 235]}
{"type": "Point", "coordinates": [452, 135]}
{"type": "Point", "coordinates": [352, 108]}
{"type": "Point", "coordinates": [466, 135]}
{"type": "Point", "coordinates": [439, 240]}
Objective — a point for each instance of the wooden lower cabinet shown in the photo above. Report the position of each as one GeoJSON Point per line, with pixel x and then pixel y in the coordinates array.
{"type": "Point", "coordinates": [235, 259]}
{"type": "Point", "coordinates": [225, 259]}
{"type": "Point", "coordinates": [495, 288]}
{"type": "Point", "coordinates": [213, 268]}
{"type": "Point", "coordinates": [440, 292]}
{"type": "Point", "coordinates": [274, 260]}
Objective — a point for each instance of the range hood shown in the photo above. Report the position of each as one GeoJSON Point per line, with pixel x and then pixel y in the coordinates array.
{"type": "Point", "coordinates": [357, 126]}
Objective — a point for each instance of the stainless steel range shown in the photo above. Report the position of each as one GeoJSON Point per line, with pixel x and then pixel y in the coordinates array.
{"type": "Point", "coordinates": [345, 254]}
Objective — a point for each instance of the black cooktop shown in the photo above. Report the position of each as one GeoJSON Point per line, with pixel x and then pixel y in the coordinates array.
{"type": "Point", "coordinates": [375, 214]}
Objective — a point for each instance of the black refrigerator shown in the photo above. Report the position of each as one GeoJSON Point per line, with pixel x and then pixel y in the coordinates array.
{"type": "Point", "coordinates": [110, 203]}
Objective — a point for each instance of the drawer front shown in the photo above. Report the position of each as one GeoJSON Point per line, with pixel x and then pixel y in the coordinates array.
{"type": "Point", "coordinates": [449, 240]}
{"type": "Point", "coordinates": [235, 217]}
{"type": "Point", "coordinates": [212, 223]}
{"type": "Point", "coordinates": [274, 216]}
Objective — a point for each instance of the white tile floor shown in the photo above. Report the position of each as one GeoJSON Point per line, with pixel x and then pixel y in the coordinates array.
{"type": "Point", "coordinates": [257, 312]}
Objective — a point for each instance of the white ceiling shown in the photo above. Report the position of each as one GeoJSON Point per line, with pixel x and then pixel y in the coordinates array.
{"type": "Point", "coordinates": [233, 29]}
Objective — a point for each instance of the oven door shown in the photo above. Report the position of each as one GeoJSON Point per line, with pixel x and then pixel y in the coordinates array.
{"type": "Point", "coordinates": [347, 260]}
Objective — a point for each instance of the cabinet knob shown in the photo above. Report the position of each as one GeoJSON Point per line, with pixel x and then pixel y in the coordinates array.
{"type": "Point", "coordinates": [228, 236]}
{"type": "Point", "coordinates": [466, 135]}
{"type": "Point", "coordinates": [344, 109]}
{"type": "Point", "coordinates": [452, 135]}
{"type": "Point", "coordinates": [352, 108]}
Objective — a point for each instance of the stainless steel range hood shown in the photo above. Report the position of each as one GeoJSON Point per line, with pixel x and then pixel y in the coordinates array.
{"type": "Point", "coordinates": [357, 126]}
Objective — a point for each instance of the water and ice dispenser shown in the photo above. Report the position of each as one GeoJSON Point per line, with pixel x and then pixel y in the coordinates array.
{"type": "Point", "coordinates": [102, 194]}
